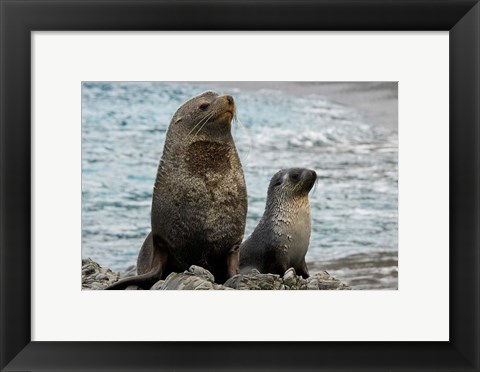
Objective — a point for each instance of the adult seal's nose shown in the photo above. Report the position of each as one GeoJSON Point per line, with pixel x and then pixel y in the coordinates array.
{"type": "Point", "coordinates": [229, 99]}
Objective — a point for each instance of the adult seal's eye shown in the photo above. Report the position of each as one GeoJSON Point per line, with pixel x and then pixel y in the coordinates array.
{"type": "Point", "coordinates": [204, 106]}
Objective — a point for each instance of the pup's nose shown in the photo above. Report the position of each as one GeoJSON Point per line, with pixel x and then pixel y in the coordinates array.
{"type": "Point", "coordinates": [314, 174]}
{"type": "Point", "coordinates": [229, 99]}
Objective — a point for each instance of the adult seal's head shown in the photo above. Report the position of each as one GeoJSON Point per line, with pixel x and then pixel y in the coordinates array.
{"type": "Point", "coordinates": [281, 239]}
{"type": "Point", "coordinates": [205, 116]}
{"type": "Point", "coordinates": [199, 204]}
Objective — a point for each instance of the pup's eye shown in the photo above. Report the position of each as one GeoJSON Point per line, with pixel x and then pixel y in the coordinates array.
{"type": "Point", "coordinates": [295, 176]}
{"type": "Point", "coordinates": [204, 106]}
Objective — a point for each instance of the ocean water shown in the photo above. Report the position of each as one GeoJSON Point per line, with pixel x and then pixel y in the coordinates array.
{"type": "Point", "coordinates": [354, 204]}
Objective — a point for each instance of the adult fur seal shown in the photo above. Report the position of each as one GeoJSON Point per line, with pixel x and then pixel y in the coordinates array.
{"type": "Point", "coordinates": [199, 205]}
{"type": "Point", "coordinates": [281, 239]}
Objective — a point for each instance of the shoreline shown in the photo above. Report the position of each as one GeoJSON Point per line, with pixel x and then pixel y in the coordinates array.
{"type": "Point", "coordinates": [362, 96]}
{"type": "Point", "coordinates": [367, 271]}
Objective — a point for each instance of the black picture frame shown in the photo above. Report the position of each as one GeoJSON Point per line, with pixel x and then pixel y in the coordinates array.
{"type": "Point", "coordinates": [18, 18]}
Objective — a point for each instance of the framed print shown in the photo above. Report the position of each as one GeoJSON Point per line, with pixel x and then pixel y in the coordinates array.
{"type": "Point", "coordinates": [82, 83]}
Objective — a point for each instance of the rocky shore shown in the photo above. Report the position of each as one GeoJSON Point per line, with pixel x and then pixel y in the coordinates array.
{"type": "Point", "coordinates": [95, 277]}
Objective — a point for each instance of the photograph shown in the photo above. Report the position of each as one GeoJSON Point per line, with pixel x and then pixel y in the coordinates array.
{"type": "Point", "coordinates": [239, 185]}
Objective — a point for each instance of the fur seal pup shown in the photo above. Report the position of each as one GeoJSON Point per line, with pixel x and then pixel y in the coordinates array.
{"type": "Point", "coordinates": [199, 205]}
{"type": "Point", "coordinates": [281, 239]}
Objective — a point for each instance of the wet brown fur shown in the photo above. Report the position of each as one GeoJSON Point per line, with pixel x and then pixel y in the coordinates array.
{"type": "Point", "coordinates": [199, 204]}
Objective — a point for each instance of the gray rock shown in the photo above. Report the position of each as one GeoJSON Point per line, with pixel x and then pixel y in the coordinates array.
{"type": "Point", "coordinates": [255, 281]}
{"type": "Point", "coordinates": [196, 278]}
{"type": "Point", "coordinates": [95, 277]}
{"type": "Point", "coordinates": [200, 271]}
{"type": "Point", "coordinates": [294, 281]}
{"type": "Point", "coordinates": [324, 281]}
{"type": "Point", "coordinates": [290, 281]}
{"type": "Point", "coordinates": [157, 285]}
